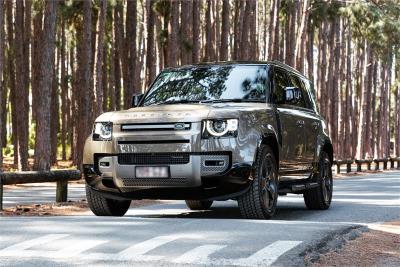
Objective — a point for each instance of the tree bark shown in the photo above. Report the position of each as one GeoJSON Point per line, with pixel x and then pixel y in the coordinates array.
{"type": "Point", "coordinates": [2, 90]}
{"type": "Point", "coordinates": [151, 62]}
{"type": "Point", "coordinates": [173, 36]}
{"type": "Point", "coordinates": [42, 155]}
{"type": "Point", "coordinates": [185, 32]}
{"type": "Point", "coordinates": [99, 58]}
{"type": "Point", "coordinates": [22, 92]}
{"type": "Point", "coordinates": [131, 31]}
{"type": "Point", "coordinates": [196, 31]}
{"type": "Point", "coordinates": [244, 39]}
{"type": "Point", "coordinates": [84, 81]}
{"type": "Point", "coordinates": [11, 77]}
{"type": "Point", "coordinates": [64, 94]}
{"type": "Point", "coordinates": [223, 52]}
{"type": "Point", "coordinates": [276, 39]}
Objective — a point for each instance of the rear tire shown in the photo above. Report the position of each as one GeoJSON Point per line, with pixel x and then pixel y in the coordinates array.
{"type": "Point", "coordinates": [102, 206]}
{"type": "Point", "coordinates": [259, 202]}
{"type": "Point", "coordinates": [320, 198]}
{"type": "Point", "coordinates": [198, 204]}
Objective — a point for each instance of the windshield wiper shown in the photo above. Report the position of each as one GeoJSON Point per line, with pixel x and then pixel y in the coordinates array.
{"type": "Point", "coordinates": [236, 100]}
{"type": "Point", "coordinates": [182, 101]}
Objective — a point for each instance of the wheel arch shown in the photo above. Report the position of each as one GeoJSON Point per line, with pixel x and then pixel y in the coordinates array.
{"type": "Point", "coordinates": [271, 140]}
{"type": "Point", "coordinates": [328, 148]}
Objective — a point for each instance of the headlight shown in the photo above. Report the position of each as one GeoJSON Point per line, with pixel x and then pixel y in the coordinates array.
{"type": "Point", "coordinates": [220, 128]}
{"type": "Point", "coordinates": [102, 131]}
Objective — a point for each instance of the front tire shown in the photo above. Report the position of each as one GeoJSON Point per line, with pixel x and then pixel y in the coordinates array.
{"type": "Point", "coordinates": [320, 198]}
{"type": "Point", "coordinates": [102, 206]}
{"type": "Point", "coordinates": [259, 202]}
{"type": "Point", "coordinates": [198, 204]}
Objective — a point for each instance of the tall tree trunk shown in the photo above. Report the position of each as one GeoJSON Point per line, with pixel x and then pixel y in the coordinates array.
{"type": "Point", "coordinates": [362, 137]}
{"type": "Point", "coordinates": [22, 91]}
{"type": "Point", "coordinates": [185, 32]}
{"type": "Point", "coordinates": [131, 31]}
{"type": "Point", "coordinates": [349, 97]}
{"type": "Point", "coordinates": [301, 36]}
{"type": "Point", "coordinates": [276, 43]}
{"type": "Point", "coordinates": [99, 58]}
{"type": "Point", "coordinates": [397, 132]}
{"type": "Point", "coordinates": [11, 77]}
{"type": "Point", "coordinates": [117, 45]}
{"type": "Point", "coordinates": [42, 155]}
{"type": "Point", "coordinates": [173, 36]}
{"type": "Point", "coordinates": [84, 81]}
{"type": "Point", "coordinates": [245, 43]}
{"type": "Point", "coordinates": [151, 62]}
{"type": "Point", "coordinates": [223, 52]}
{"type": "Point", "coordinates": [64, 94]}
{"type": "Point", "coordinates": [36, 47]}
{"type": "Point", "coordinates": [253, 41]}
{"type": "Point", "coordinates": [55, 111]}
{"type": "Point", "coordinates": [196, 31]}
{"type": "Point", "coordinates": [209, 33]}
{"type": "Point", "coordinates": [373, 138]}
{"type": "Point", "coordinates": [2, 90]}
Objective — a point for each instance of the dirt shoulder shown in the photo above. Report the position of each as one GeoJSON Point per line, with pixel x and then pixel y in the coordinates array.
{"type": "Point", "coordinates": [379, 246]}
{"type": "Point", "coordinates": [71, 208]}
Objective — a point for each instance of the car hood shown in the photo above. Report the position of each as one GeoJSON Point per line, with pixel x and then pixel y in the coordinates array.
{"type": "Point", "coordinates": [179, 112]}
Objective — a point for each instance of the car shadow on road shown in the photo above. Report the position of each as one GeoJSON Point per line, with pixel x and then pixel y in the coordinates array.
{"type": "Point", "coordinates": [230, 212]}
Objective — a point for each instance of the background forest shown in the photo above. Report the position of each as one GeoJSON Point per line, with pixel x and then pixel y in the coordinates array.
{"type": "Point", "coordinates": [62, 63]}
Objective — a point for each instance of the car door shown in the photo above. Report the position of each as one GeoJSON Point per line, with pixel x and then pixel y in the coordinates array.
{"type": "Point", "coordinates": [311, 122]}
{"type": "Point", "coordinates": [291, 125]}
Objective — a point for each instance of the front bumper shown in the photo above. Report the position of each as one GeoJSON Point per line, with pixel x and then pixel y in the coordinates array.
{"type": "Point", "coordinates": [195, 179]}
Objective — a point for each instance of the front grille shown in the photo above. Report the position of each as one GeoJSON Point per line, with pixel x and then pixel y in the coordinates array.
{"type": "Point", "coordinates": [153, 159]}
{"type": "Point", "coordinates": [178, 126]}
{"type": "Point", "coordinates": [154, 181]}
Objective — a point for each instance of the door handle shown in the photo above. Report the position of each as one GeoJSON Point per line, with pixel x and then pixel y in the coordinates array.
{"type": "Point", "coordinates": [300, 123]}
{"type": "Point", "coordinates": [315, 125]}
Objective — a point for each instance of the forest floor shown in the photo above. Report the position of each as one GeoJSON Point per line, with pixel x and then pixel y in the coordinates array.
{"type": "Point", "coordinates": [380, 246]}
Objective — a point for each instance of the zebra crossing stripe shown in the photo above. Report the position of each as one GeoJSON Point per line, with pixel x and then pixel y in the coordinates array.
{"type": "Point", "coordinates": [31, 243]}
{"type": "Point", "coordinates": [198, 255]}
{"type": "Point", "coordinates": [139, 249]}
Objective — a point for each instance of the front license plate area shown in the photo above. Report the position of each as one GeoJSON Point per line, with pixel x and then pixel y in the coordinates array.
{"type": "Point", "coordinates": [151, 172]}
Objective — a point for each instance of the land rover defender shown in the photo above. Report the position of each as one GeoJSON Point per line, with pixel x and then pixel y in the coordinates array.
{"type": "Point", "coordinates": [247, 131]}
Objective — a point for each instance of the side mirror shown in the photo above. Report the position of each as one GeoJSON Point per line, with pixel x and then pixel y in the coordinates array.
{"type": "Point", "coordinates": [292, 95]}
{"type": "Point", "coordinates": [136, 100]}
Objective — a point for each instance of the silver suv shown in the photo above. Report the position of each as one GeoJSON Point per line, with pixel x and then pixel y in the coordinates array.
{"type": "Point", "coordinates": [247, 131]}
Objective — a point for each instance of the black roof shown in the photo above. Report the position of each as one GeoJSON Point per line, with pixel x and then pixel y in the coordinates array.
{"type": "Point", "coordinates": [253, 62]}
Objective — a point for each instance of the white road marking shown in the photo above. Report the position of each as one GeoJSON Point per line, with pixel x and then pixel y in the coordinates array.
{"type": "Point", "coordinates": [34, 242]}
{"type": "Point", "coordinates": [75, 247]}
{"type": "Point", "coordinates": [198, 254]}
{"type": "Point", "coordinates": [136, 253]}
{"type": "Point", "coordinates": [141, 248]}
{"type": "Point", "coordinates": [267, 255]}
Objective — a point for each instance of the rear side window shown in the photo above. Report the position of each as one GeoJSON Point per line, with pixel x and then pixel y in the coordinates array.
{"type": "Point", "coordinates": [281, 82]}
{"type": "Point", "coordinates": [298, 83]}
{"type": "Point", "coordinates": [311, 94]}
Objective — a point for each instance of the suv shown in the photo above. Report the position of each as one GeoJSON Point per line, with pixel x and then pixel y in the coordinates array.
{"type": "Point", "coordinates": [247, 131]}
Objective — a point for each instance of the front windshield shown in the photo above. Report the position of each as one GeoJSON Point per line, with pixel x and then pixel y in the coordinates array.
{"type": "Point", "coordinates": [215, 83]}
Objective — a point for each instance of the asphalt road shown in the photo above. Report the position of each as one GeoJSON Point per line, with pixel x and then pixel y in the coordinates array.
{"type": "Point", "coordinates": [170, 235]}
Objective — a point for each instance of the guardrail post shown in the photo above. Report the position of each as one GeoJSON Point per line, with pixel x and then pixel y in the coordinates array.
{"type": "Point", "coordinates": [348, 164]}
{"type": "Point", "coordinates": [1, 194]}
{"type": "Point", "coordinates": [376, 165]}
{"type": "Point", "coordinates": [398, 163]}
{"type": "Point", "coordinates": [385, 164]}
{"type": "Point", "coordinates": [62, 191]}
{"type": "Point", "coordinates": [358, 166]}
{"type": "Point", "coordinates": [391, 163]}
{"type": "Point", "coordinates": [369, 165]}
{"type": "Point", "coordinates": [337, 168]}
